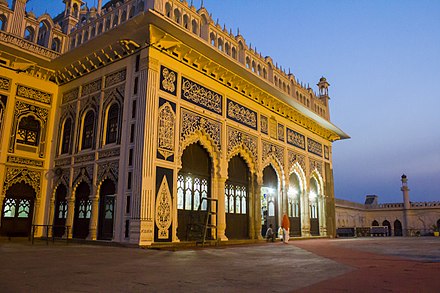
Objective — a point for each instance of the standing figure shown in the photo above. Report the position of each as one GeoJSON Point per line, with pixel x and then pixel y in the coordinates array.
{"type": "Point", "coordinates": [286, 227]}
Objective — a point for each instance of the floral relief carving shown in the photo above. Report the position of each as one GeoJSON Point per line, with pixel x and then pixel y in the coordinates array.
{"type": "Point", "coordinates": [163, 209]}
{"type": "Point", "coordinates": [237, 138]}
{"type": "Point", "coordinates": [109, 153]}
{"type": "Point", "coordinates": [70, 95]}
{"type": "Point", "coordinates": [264, 124]}
{"type": "Point", "coordinates": [273, 128]}
{"type": "Point", "coordinates": [115, 78]}
{"type": "Point", "coordinates": [166, 130]}
{"type": "Point", "coordinates": [242, 114]}
{"type": "Point", "coordinates": [91, 87]}
{"type": "Point", "coordinates": [26, 175]}
{"type": "Point", "coordinates": [326, 152]}
{"type": "Point", "coordinates": [33, 94]}
{"type": "Point", "coordinates": [296, 139]}
{"type": "Point", "coordinates": [201, 96]}
{"type": "Point", "coordinates": [25, 161]}
{"type": "Point", "coordinates": [83, 174]}
{"type": "Point", "coordinates": [27, 45]}
{"type": "Point", "coordinates": [281, 132]}
{"type": "Point", "coordinates": [192, 122]}
{"type": "Point", "coordinates": [314, 147]}
{"type": "Point", "coordinates": [294, 157]}
{"type": "Point", "coordinates": [270, 149]}
{"type": "Point", "coordinates": [168, 80]}
{"type": "Point", "coordinates": [315, 165]}
{"type": "Point", "coordinates": [108, 170]}
{"type": "Point", "coordinates": [23, 108]}
{"type": "Point", "coordinates": [5, 83]}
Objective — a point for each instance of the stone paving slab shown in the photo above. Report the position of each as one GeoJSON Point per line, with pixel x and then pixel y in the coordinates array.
{"type": "Point", "coordinates": [271, 267]}
{"type": "Point", "coordinates": [322, 265]}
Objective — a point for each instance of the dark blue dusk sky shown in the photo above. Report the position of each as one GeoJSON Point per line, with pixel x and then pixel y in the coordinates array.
{"type": "Point", "coordinates": [382, 59]}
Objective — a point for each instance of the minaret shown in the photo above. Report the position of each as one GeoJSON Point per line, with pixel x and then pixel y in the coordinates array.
{"type": "Point", "coordinates": [71, 14]}
{"type": "Point", "coordinates": [323, 94]}
{"type": "Point", "coordinates": [406, 203]}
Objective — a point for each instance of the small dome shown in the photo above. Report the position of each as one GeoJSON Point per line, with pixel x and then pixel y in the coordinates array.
{"type": "Point", "coordinates": [323, 79]}
{"type": "Point", "coordinates": [4, 3]}
{"type": "Point", "coordinates": [403, 176]}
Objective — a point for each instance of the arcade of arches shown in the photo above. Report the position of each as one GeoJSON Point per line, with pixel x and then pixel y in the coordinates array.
{"type": "Point", "coordinates": [133, 143]}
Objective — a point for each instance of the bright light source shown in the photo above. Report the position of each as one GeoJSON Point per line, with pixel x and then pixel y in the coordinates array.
{"type": "Point", "coordinates": [312, 195]}
{"type": "Point", "coordinates": [292, 192]}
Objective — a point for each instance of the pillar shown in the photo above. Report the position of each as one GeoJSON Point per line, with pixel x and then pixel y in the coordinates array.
{"type": "Point", "coordinates": [305, 213]}
{"type": "Point", "coordinates": [406, 204]}
{"type": "Point", "coordinates": [257, 219]}
{"type": "Point", "coordinates": [93, 225]}
{"type": "Point", "coordinates": [221, 213]}
{"type": "Point", "coordinates": [70, 215]}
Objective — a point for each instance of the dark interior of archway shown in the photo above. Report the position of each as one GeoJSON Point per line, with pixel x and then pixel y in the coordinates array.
{"type": "Point", "coordinates": [107, 187]}
{"type": "Point", "coordinates": [270, 178]}
{"type": "Point", "coordinates": [238, 170]}
{"type": "Point", "coordinates": [20, 190]}
{"type": "Point", "coordinates": [60, 211]}
{"type": "Point", "coordinates": [196, 160]}
{"type": "Point", "coordinates": [82, 191]}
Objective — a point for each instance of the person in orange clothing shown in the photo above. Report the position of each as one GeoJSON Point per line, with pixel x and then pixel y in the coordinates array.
{"type": "Point", "coordinates": [286, 227]}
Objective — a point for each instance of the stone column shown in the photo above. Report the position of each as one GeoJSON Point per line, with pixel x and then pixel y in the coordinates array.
{"type": "Point", "coordinates": [322, 215]}
{"type": "Point", "coordinates": [251, 204]}
{"type": "Point", "coordinates": [143, 165]}
{"type": "Point", "coordinates": [51, 214]}
{"type": "Point", "coordinates": [257, 196]}
{"type": "Point", "coordinates": [70, 215]}
{"type": "Point", "coordinates": [221, 213]}
{"type": "Point", "coordinates": [305, 213]}
{"type": "Point", "coordinates": [93, 225]}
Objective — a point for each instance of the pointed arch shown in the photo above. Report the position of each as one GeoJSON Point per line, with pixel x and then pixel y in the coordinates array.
{"type": "Point", "coordinates": [247, 156]}
{"type": "Point", "coordinates": [208, 143]}
{"type": "Point", "coordinates": [298, 170]}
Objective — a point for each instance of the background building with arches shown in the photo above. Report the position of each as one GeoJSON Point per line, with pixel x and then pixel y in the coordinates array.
{"type": "Point", "coordinates": [127, 116]}
{"type": "Point", "coordinates": [402, 218]}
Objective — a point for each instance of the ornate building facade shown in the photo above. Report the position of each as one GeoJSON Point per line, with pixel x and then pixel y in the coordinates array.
{"type": "Point", "coordinates": [402, 219]}
{"type": "Point", "coordinates": [131, 121]}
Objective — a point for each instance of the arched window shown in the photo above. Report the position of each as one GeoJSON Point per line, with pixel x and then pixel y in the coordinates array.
{"type": "Point", "coordinates": [93, 32]}
{"type": "Point", "coordinates": [234, 53]}
{"type": "Point", "coordinates": [29, 131]}
{"type": "Point", "coordinates": [2, 110]}
{"type": "Point", "coordinates": [107, 23]}
{"type": "Point", "coordinates": [88, 130]}
{"type": "Point", "coordinates": [75, 11]}
{"type": "Point", "coordinates": [220, 44]}
{"type": "Point", "coordinates": [3, 20]}
{"type": "Point", "coordinates": [86, 36]}
{"type": "Point", "coordinates": [212, 37]}
{"type": "Point", "coordinates": [29, 34]}
{"type": "Point", "coordinates": [67, 133]}
{"type": "Point", "coordinates": [248, 63]}
{"type": "Point", "coordinates": [195, 27]}
{"type": "Point", "coordinates": [185, 21]}
{"type": "Point", "coordinates": [56, 45]}
{"type": "Point", "coordinates": [43, 34]}
{"type": "Point", "coordinates": [168, 10]}
{"type": "Point", "coordinates": [227, 48]}
{"type": "Point", "coordinates": [177, 15]}
{"type": "Point", "coordinates": [112, 124]}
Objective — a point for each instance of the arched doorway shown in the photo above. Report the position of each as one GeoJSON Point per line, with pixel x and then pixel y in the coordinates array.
{"type": "Point", "coordinates": [375, 223]}
{"type": "Point", "coordinates": [398, 228]}
{"type": "Point", "coordinates": [18, 209]}
{"type": "Point", "coordinates": [387, 224]}
{"type": "Point", "coordinates": [269, 200]}
{"type": "Point", "coordinates": [237, 199]}
{"type": "Point", "coordinates": [313, 207]}
{"type": "Point", "coordinates": [294, 206]}
{"type": "Point", "coordinates": [83, 211]}
{"type": "Point", "coordinates": [193, 184]}
{"type": "Point", "coordinates": [106, 210]}
{"type": "Point", "coordinates": [59, 220]}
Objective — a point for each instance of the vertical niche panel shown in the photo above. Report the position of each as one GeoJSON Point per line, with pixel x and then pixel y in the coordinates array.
{"type": "Point", "coordinates": [166, 130]}
{"type": "Point", "coordinates": [164, 205]}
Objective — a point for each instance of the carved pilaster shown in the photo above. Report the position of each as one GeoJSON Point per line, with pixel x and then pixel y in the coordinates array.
{"type": "Point", "coordinates": [219, 183]}
{"type": "Point", "coordinates": [93, 226]}
{"type": "Point", "coordinates": [305, 213]}
{"type": "Point", "coordinates": [70, 214]}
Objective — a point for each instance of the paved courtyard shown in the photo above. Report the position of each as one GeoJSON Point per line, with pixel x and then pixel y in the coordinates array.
{"type": "Point", "coordinates": [321, 265]}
